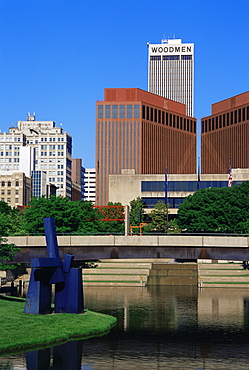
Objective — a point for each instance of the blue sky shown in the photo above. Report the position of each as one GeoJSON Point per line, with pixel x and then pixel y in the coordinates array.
{"type": "Point", "coordinates": [57, 56]}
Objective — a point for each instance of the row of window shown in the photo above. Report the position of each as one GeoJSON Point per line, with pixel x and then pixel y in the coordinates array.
{"type": "Point", "coordinates": [52, 154]}
{"type": "Point", "coordinates": [16, 160]}
{"type": "Point", "coordinates": [7, 147]}
{"type": "Point", "coordinates": [225, 119]}
{"type": "Point", "coordinates": [9, 154]}
{"type": "Point", "coordinates": [173, 202]}
{"type": "Point", "coordinates": [52, 146]}
{"type": "Point", "coordinates": [170, 57]}
{"type": "Point", "coordinates": [46, 139]}
{"type": "Point", "coordinates": [8, 183]}
{"type": "Point", "coordinates": [9, 192]}
{"type": "Point", "coordinates": [168, 119]}
{"type": "Point", "coordinates": [188, 186]}
{"type": "Point", "coordinates": [119, 111]}
{"type": "Point", "coordinates": [53, 179]}
{"type": "Point", "coordinates": [9, 200]}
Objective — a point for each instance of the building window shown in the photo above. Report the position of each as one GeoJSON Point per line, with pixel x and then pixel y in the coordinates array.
{"type": "Point", "coordinates": [171, 57]}
{"type": "Point", "coordinates": [129, 111]}
{"type": "Point", "coordinates": [186, 57]}
{"type": "Point", "coordinates": [3, 183]}
{"type": "Point", "coordinates": [115, 111]}
{"type": "Point", "coordinates": [9, 183]}
{"type": "Point", "coordinates": [100, 111]}
{"type": "Point", "coordinates": [136, 111]}
{"type": "Point", "coordinates": [107, 111]}
{"type": "Point", "coordinates": [122, 111]}
{"type": "Point", "coordinates": [155, 57]}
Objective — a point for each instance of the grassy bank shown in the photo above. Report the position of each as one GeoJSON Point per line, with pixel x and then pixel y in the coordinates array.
{"type": "Point", "coordinates": [20, 331]}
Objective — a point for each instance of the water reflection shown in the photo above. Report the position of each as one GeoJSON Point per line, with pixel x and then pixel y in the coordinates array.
{"type": "Point", "coordinates": [158, 327]}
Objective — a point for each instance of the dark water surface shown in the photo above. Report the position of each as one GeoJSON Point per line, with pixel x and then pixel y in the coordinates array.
{"type": "Point", "coordinates": [158, 328]}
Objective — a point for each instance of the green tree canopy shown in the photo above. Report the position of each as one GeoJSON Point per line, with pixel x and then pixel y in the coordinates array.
{"type": "Point", "coordinates": [158, 216]}
{"type": "Point", "coordinates": [224, 210]}
{"type": "Point", "coordinates": [70, 217]}
{"type": "Point", "coordinates": [7, 251]}
{"type": "Point", "coordinates": [136, 211]}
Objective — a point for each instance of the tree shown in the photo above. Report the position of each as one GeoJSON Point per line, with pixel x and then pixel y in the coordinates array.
{"type": "Point", "coordinates": [158, 216]}
{"type": "Point", "coordinates": [70, 217]}
{"type": "Point", "coordinates": [7, 251]}
{"type": "Point", "coordinates": [136, 212]}
{"type": "Point", "coordinates": [111, 218]}
{"type": "Point", "coordinates": [224, 210]}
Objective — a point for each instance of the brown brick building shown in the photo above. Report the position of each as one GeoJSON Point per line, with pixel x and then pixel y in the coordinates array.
{"type": "Point", "coordinates": [142, 131]}
{"type": "Point", "coordinates": [225, 135]}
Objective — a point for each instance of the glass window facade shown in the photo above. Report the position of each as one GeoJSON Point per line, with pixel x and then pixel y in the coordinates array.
{"type": "Point", "coordinates": [187, 186]}
{"type": "Point", "coordinates": [36, 184]}
{"type": "Point", "coordinates": [151, 202]}
{"type": "Point", "coordinates": [119, 111]}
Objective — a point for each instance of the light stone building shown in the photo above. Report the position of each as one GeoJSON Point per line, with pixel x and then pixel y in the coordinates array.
{"type": "Point", "coordinates": [52, 152]}
{"type": "Point", "coordinates": [15, 188]}
{"type": "Point", "coordinates": [151, 188]}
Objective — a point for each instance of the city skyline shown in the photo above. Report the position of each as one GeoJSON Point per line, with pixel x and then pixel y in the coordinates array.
{"type": "Point", "coordinates": [54, 62]}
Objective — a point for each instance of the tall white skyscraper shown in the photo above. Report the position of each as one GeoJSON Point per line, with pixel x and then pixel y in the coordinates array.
{"type": "Point", "coordinates": [171, 71]}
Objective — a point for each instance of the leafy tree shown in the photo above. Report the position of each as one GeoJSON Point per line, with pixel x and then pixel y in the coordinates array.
{"type": "Point", "coordinates": [136, 212]}
{"type": "Point", "coordinates": [224, 210]}
{"type": "Point", "coordinates": [70, 217]}
{"type": "Point", "coordinates": [111, 214]}
{"type": "Point", "coordinates": [158, 218]}
{"type": "Point", "coordinates": [7, 251]}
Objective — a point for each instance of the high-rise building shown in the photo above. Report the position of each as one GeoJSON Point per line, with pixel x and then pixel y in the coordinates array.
{"type": "Point", "coordinates": [141, 131]}
{"type": "Point", "coordinates": [90, 185]}
{"type": "Point", "coordinates": [78, 172]}
{"type": "Point", "coordinates": [171, 71]}
{"type": "Point", "coordinates": [225, 135]}
{"type": "Point", "coordinates": [52, 149]}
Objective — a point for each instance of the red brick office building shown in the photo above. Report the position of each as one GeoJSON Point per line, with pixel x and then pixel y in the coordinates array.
{"type": "Point", "coordinates": [139, 130]}
{"type": "Point", "coordinates": [225, 135]}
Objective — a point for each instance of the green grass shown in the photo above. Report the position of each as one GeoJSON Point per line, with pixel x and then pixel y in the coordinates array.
{"type": "Point", "coordinates": [20, 331]}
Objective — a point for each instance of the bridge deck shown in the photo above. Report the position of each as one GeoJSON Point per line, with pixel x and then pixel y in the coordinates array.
{"type": "Point", "coordinates": [162, 246]}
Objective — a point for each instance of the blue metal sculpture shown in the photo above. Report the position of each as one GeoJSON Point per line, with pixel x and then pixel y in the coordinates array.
{"type": "Point", "coordinates": [52, 270]}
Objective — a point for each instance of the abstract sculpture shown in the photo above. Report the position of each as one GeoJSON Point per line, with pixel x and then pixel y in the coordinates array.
{"type": "Point", "coordinates": [53, 270]}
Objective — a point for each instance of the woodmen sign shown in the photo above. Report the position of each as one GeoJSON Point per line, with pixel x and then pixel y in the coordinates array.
{"type": "Point", "coordinates": [171, 49]}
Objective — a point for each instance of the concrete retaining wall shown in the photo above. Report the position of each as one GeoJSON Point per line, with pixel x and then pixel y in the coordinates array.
{"type": "Point", "coordinates": [173, 274]}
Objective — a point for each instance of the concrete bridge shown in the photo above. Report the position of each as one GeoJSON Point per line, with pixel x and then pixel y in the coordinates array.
{"type": "Point", "coordinates": [234, 248]}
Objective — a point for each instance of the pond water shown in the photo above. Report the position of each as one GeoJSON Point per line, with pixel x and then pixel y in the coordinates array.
{"type": "Point", "coordinates": [158, 328]}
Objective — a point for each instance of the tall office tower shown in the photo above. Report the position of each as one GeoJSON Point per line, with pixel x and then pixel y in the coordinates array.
{"type": "Point", "coordinates": [90, 185]}
{"type": "Point", "coordinates": [78, 173]}
{"type": "Point", "coordinates": [225, 135]}
{"type": "Point", "coordinates": [171, 71]}
{"type": "Point", "coordinates": [144, 132]}
{"type": "Point", "coordinates": [53, 150]}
